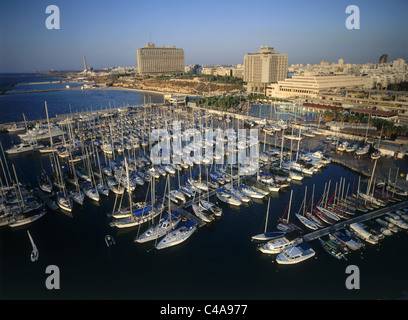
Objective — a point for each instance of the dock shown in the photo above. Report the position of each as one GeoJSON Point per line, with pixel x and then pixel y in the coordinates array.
{"type": "Point", "coordinates": [361, 218]}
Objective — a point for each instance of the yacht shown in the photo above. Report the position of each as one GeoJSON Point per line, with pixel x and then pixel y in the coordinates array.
{"type": "Point", "coordinates": [177, 236]}
{"type": "Point", "coordinates": [20, 148]}
{"type": "Point", "coordinates": [64, 202]}
{"type": "Point", "coordinates": [45, 183]}
{"type": "Point", "coordinates": [164, 226]}
{"type": "Point", "coordinates": [345, 240]}
{"type": "Point", "coordinates": [216, 210]}
{"type": "Point", "coordinates": [362, 233]}
{"type": "Point", "coordinates": [307, 222]}
{"type": "Point", "coordinates": [277, 245]}
{"type": "Point", "coordinates": [228, 198]}
{"type": "Point", "coordinates": [269, 235]}
{"type": "Point", "coordinates": [296, 254]}
{"type": "Point", "coordinates": [202, 213]}
{"type": "Point", "coordinates": [139, 216]}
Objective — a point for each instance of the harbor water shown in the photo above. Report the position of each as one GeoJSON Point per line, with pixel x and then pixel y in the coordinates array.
{"type": "Point", "coordinates": [218, 262]}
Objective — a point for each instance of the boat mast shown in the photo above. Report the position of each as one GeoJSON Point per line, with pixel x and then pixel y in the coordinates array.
{"type": "Point", "coordinates": [267, 214]}
{"type": "Point", "coordinates": [290, 203]}
{"type": "Point", "coordinates": [48, 122]}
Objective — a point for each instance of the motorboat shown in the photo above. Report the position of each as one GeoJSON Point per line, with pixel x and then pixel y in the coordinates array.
{"type": "Point", "coordinates": [20, 148]}
{"type": "Point", "coordinates": [345, 240]}
{"type": "Point", "coordinates": [295, 254]}
{"type": "Point", "coordinates": [362, 233]}
{"type": "Point", "coordinates": [290, 239]}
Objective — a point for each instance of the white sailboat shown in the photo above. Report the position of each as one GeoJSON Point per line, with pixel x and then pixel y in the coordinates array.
{"type": "Point", "coordinates": [34, 253]}
{"type": "Point", "coordinates": [302, 218]}
{"type": "Point", "coordinates": [165, 225]}
{"type": "Point", "coordinates": [178, 235]}
{"type": "Point", "coordinates": [268, 235]}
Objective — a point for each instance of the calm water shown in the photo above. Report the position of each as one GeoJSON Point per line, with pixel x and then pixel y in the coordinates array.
{"type": "Point", "coordinates": [218, 262]}
{"type": "Point", "coordinates": [62, 102]}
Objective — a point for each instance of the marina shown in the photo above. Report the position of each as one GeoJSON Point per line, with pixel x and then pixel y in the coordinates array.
{"type": "Point", "coordinates": [106, 156]}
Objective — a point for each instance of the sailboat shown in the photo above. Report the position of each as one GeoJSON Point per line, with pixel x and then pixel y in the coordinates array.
{"type": "Point", "coordinates": [166, 224]}
{"type": "Point", "coordinates": [63, 199]}
{"type": "Point", "coordinates": [268, 235]}
{"type": "Point", "coordinates": [90, 189]}
{"type": "Point", "coordinates": [45, 183]}
{"type": "Point", "coordinates": [178, 235]}
{"type": "Point", "coordinates": [139, 215]}
{"type": "Point", "coordinates": [306, 222]}
{"type": "Point", "coordinates": [284, 224]}
{"type": "Point", "coordinates": [34, 253]}
{"type": "Point", "coordinates": [201, 212]}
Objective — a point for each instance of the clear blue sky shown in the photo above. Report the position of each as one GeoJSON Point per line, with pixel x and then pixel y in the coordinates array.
{"type": "Point", "coordinates": [108, 33]}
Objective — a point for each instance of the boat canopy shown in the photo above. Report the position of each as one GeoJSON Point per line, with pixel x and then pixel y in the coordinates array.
{"type": "Point", "coordinates": [141, 211]}
{"type": "Point", "coordinates": [304, 246]}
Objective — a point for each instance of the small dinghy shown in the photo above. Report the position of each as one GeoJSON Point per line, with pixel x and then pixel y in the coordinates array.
{"type": "Point", "coordinates": [109, 240]}
{"type": "Point", "coordinates": [34, 254]}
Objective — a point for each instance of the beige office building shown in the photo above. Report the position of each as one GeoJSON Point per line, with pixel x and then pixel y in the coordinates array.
{"type": "Point", "coordinates": [312, 85]}
{"type": "Point", "coordinates": [263, 68]}
{"type": "Point", "coordinates": [152, 60]}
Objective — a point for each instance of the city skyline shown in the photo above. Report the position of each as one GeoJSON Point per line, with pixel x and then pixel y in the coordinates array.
{"type": "Point", "coordinates": [210, 32]}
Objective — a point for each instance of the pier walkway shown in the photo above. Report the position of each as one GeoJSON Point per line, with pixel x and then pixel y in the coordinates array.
{"type": "Point", "coordinates": [364, 217]}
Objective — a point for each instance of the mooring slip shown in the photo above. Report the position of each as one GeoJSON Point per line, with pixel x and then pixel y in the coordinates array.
{"type": "Point", "coordinates": [361, 218]}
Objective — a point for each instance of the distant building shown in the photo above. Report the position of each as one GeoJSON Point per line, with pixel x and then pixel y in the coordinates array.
{"type": "Point", "coordinates": [383, 59]}
{"type": "Point", "coordinates": [152, 60]}
{"type": "Point", "coordinates": [263, 68]}
{"type": "Point", "coordinates": [193, 69]}
{"type": "Point", "coordinates": [398, 64]}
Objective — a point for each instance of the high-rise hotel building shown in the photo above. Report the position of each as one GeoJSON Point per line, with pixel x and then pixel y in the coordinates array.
{"type": "Point", "coordinates": [264, 67]}
{"type": "Point", "coordinates": [152, 60]}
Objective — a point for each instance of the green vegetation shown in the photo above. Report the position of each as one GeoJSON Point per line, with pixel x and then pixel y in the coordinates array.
{"type": "Point", "coordinates": [221, 102]}
{"type": "Point", "coordinates": [218, 79]}
{"type": "Point", "coordinates": [389, 129]}
{"type": "Point", "coordinates": [227, 102]}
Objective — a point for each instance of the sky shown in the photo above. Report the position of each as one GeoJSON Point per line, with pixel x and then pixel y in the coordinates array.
{"type": "Point", "coordinates": [211, 32]}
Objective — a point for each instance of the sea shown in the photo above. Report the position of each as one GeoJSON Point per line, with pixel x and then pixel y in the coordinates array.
{"type": "Point", "coordinates": [218, 262]}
